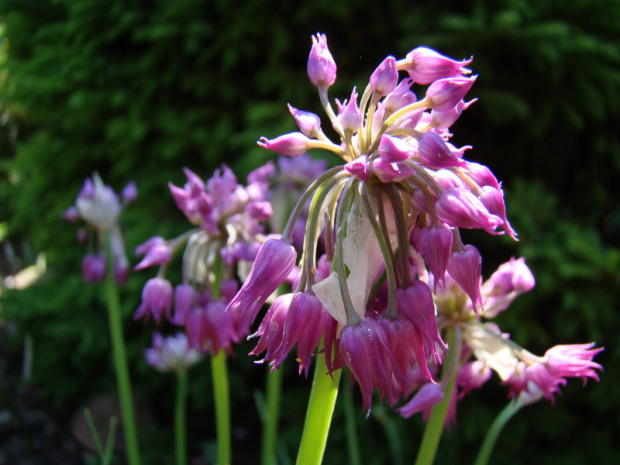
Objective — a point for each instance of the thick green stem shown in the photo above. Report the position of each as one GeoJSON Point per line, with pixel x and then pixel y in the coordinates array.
{"type": "Point", "coordinates": [272, 416]}
{"type": "Point", "coordinates": [180, 439]}
{"type": "Point", "coordinates": [319, 414]}
{"type": "Point", "coordinates": [221, 399]}
{"type": "Point", "coordinates": [435, 424]}
{"type": "Point", "coordinates": [496, 428]}
{"type": "Point", "coordinates": [120, 359]}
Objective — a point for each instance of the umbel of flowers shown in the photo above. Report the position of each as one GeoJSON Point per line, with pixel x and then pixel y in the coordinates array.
{"type": "Point", "coordinates": [388, 222]}
{"type": "Point", "coordinates": [228, 222]}
{"type": "Point", "coordinates": [100, 207]}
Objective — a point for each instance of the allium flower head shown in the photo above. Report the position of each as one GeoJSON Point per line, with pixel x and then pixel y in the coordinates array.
{"type": "Point", "coordinates": [388, 222]}
{"type": "Point", "coordinates": [99, 206]}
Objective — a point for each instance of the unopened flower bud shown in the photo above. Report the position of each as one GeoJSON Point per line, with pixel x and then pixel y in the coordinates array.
{"type": "Point", "coordinates": [385, 78]}
{"type": "Point", "coordinates": [293, 144]}
{"type": "Point", "coordinates": [309, 123]}
{"type": "Point", "coordinates": [351, 118]}
{"type": "Point", "coordinates": [321, 64]}
{"type": "Point", "coordinates": [445, 94]}
{"type": "Point", "coordinates": [434, 152]}
{"type": "Point", "coordinates": [425, 65]}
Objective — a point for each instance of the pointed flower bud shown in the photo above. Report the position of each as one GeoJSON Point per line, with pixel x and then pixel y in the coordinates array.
{"type": "Point", "coordinates": [445, 94]}
{"type": "Point", "coordinates": [459, 207]}
{"type": "Point", "coordinates": [321, 64]}
{"type": "Point", "coordinates": [425, 65]}
{"type": "Point", "coordinates": [385, 78]}
{"type": "Point", "coordinates": [394, 149]}
{"type": "Point", "coordinates": [351, 118]}
{"type": "Point", "coordinates": [445, 119]}
{"type": "Point", "coordinates": [309, 123]}
{"type": "Point", "coordinates": [293, 144]}
{"type": "Point", "coordinates": [434, 152]}
{"type": "Point", "coordinates": [493, 200]}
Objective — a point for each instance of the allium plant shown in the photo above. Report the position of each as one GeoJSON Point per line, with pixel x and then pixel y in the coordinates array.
{"type": "Point", "coordinates": [395, 294]}
{"type": "Point", "coordinates": [228, 224]}
{"type": "Point", "coordinates": [99, 206]}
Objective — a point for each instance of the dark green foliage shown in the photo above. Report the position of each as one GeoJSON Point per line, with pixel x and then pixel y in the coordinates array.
{"type": "Point", "coordinates": [139, 89]}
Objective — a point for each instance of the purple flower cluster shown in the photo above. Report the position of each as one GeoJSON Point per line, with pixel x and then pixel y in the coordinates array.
{"type": "Point", "coordinates": [486, 349]}
{"type": "Point", "coordinates": [388, 220]}
{"type": "Point", "coordinates": [100, 207]}
{"type": "Point", "coordinates": [231, 222]}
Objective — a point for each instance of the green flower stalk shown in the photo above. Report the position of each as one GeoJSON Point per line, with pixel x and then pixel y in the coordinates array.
{"type": "Point", "coordinates": [100, 207]}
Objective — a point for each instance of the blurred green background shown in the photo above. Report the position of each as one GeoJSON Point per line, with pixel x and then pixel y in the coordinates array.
{"type": "Point", "coordinates": [139, 89]}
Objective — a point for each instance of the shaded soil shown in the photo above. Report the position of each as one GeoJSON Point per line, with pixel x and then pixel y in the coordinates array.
{"type": "Point", "coordinates": [30, 434]}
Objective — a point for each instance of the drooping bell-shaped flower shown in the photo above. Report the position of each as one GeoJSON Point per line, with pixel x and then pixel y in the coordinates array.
{"type": "Point", "coordinates": [364, 349]}
{"type": "Point", "coordinates": [465, 267]}
{"type": "Point", "coordinates": [435, 245]}
{"type": "Point", "coordinates": [274, 262]}
{"type": "Point", "coordinates": [156, 300]}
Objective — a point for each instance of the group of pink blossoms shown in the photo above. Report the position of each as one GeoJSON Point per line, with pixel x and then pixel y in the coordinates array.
{"type": "Point", "coordinates": [383, 272]}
